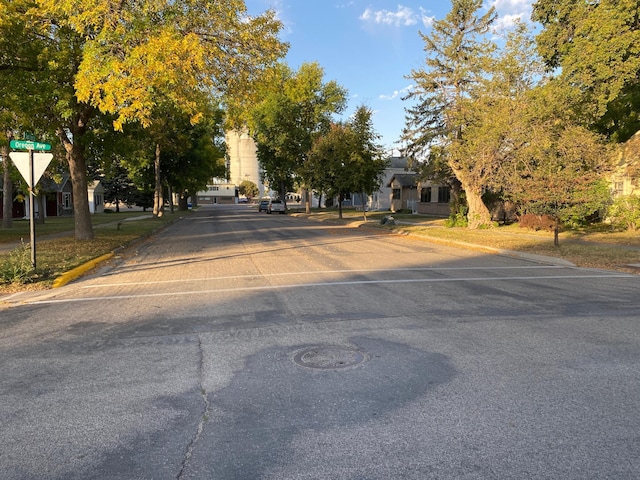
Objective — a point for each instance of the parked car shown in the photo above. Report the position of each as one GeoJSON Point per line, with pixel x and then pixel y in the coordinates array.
{"type": "Point", "coordinates": [263, 205]}
{"type": "Point", "coordinates": [275, 206]}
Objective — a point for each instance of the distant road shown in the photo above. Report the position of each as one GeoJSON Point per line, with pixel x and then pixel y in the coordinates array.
{"type": "Point", "coordinates": [240, 345]}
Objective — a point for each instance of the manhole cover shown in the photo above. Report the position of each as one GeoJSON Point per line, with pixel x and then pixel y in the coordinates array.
{"type": "Point", "coordinates": [328, 357]}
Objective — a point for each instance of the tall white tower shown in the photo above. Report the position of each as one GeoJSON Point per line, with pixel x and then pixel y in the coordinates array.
{"type": "Point", "coordinates": [243, 160]}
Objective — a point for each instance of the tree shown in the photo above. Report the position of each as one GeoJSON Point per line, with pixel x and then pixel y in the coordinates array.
{"type": "Point", "coordinates": [248, 189]}
{"type": "Point", "coordinates": [296, 106]}
{"type": "Point", "coordinates": [458, 56]}
{"type": "Point", "coordinates": [193, 154]}
{"type": "Point", "coordinates": [347, 159]}
{"type": "Point", "coordinates": [365, 158]}
{"type": "Point", "coordinates": [596, 48]}
{"type": "Point", "coordinates": [561, 167]}
{"type": "Point", "coordinates": [126, 59]}
{"type": "Point", "coordinates": [330, 155]}
{"type": "Point", "coordinates": [39, 59]}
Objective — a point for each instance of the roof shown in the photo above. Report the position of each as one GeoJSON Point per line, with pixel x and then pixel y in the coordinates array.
{"type": "Point", "coordinates": [404, 179]}
{"type": "Point", "coordinates": [398, 162]}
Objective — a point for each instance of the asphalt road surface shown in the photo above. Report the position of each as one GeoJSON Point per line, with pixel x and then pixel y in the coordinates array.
{"type": "Point", "coordinates": [239, 345]}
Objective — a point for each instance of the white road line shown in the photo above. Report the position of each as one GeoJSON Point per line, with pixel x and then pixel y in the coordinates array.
{"type": "Point", "coordinates": [325, 284]}
{"type": "Point", "coordinates": [318, 272]}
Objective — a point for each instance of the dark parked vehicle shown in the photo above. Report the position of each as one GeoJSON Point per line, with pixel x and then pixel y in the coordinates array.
{"type": "Point", "coordinates": [263, 205]}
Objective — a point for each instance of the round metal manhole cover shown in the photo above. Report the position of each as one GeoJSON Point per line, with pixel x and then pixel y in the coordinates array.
{"type": "Point", "coordinates": [328, 357]}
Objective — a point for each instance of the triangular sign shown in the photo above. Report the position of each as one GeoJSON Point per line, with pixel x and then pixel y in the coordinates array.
{"type": "Point", "coordinates": [40, 163]}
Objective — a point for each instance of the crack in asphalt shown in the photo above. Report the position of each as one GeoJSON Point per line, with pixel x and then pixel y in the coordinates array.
{"type": "Point", "coordinates": [205, 414]}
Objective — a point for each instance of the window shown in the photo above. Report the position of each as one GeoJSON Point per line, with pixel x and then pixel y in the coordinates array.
{"type": "Point", "coordinates": [396, 194]}
{"type": "Point", "coordinates": [213, 188]}
{"type": "Point", "coordinates": [66, 201]}
{"type": "Point", "coordinates": [444, 194]}
{"type": "Point", "coordinates": [425, 194]}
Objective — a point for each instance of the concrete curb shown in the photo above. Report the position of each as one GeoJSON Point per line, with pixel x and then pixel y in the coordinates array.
{"type": "Point", "coordinates": [79, 271]}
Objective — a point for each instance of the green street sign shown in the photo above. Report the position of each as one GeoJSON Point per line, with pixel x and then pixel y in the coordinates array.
{"type": "Point", "coordinates": [29, 145]}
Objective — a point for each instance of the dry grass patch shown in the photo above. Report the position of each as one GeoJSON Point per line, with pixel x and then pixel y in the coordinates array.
{"type": "Point", "coordinates": [55, 256]}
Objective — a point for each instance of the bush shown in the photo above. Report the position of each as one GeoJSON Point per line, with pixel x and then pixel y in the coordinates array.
{"type": "Point", "coordinates": [16, 267]}
{"type": "Point", "coordinates": [537, 222]}
{"type": "Point", "coordinates": [625, 213]}
{"type": "Point", "coordinates": [456, 220]}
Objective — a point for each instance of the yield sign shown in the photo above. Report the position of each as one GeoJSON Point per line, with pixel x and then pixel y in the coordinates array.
{"type": "Point", "coordinates": [40, 163]}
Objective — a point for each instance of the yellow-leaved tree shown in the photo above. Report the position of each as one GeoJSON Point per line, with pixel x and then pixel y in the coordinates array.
{"type": "Point", "coordinates": [126, 59]}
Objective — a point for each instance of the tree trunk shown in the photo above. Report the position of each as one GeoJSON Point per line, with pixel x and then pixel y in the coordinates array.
{"type": "Point", "coordinates": [40, 200]}
{"type": "Point", "coordinates": [78, 171]}
{"type": "Point", "coordinates": [307, 201]}
{"type": "Point", "coordinates": [283, 194]}
{"type": "Point", "coordinates": [364, 206]}
{"type": "Point", "coordinates": [340, 206]}
{"type": "Point", "coordinates": [478, 215]}
{"type": "Point", "coordinates": [158, 198]}
{"type": "Point", "coordinates": [7, 191]}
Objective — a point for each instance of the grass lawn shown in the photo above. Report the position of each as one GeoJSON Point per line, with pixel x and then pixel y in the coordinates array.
{"type": "Point", "coordinates": [594, 247]}
{"type": "Point", "coordinates": [57, 251]}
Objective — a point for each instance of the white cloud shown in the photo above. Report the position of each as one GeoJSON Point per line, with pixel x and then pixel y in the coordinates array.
{"type": "Point", "coordinates": [518, 6]}
{"type": "Point", "coordinates": [505, 22]}
{"type": "Point", "coordinates": [396, 93]}
{"type": "Point", "coordinates": [402, 17]}
{"type": "Point", "coordinates": [426, 19]}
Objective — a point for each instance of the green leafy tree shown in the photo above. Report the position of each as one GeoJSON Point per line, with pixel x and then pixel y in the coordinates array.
{"type": "Point", "coordinates": [458, 56]}
{"type": "Point", "coordinates": [595, 46]}
{"type": "Point", "coordinates": [330, 155]}
{"type": "Point", "coordinates": [347, 159]}
{"type": "Point", "coordinates": [193, 155]}
{"type": "Point", "coordinates": [296, 107]}
{"type": "Point", "coordinates": [39, 59]}
{"type": "Point", "coordinates": [366, 156]}
{"type": "Point", "coordinates": [562, 170]}
{"type": "Point", "coordinates": [248, 189]}
{"type": "Point", "coordinates": [625, 212]}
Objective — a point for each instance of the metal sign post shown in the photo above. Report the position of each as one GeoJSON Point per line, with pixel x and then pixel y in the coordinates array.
{"type": "Point", "coordinates": [26, 166]}
{"type": "Point", "coordinates": [32, 211]}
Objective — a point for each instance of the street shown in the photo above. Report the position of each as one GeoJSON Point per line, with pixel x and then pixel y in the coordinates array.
{"type": "Point", "coordinates": [240, 345]}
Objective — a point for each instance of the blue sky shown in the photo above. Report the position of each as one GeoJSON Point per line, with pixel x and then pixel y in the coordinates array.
{"type": "Point", "coordinates": [369, 46]}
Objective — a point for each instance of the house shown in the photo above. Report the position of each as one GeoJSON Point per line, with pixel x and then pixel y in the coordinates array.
{"type": "Point", "coordinates": [433, 199]}
{"type": "Point", "coordinates": [17, 207]}
{"type": "Point", "coordinates": [96, 196]}
{"type": "Point", "coordinates": [626, 177]}
{"type": "Point", "coordinates": [58, 196]}
{"type": "Point", "coordinates": [404, 191]}
{"type": "Point", "coordinates": [57, 199]}
{"type": "Point", "coordinates": [218, 191]}
{"type": "Point", "coordinates": [381, 200]}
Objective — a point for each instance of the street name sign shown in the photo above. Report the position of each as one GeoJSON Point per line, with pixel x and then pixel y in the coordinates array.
{"type": "Point", "coordinates": [29, 145]}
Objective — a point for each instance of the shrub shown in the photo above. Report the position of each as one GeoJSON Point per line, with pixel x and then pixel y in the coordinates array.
{"type": "Point", "coordinates": [625, 212]}
{"type": "Point", "coordinates": [537, 222]}
{"type": "Point", "coordinates": [16, 267]}
{"type": "Point", "coordinates": [456, 220]}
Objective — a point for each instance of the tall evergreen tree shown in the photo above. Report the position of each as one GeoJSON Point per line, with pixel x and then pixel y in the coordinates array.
{"type": "Point", "coordinates": [458, 56]}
